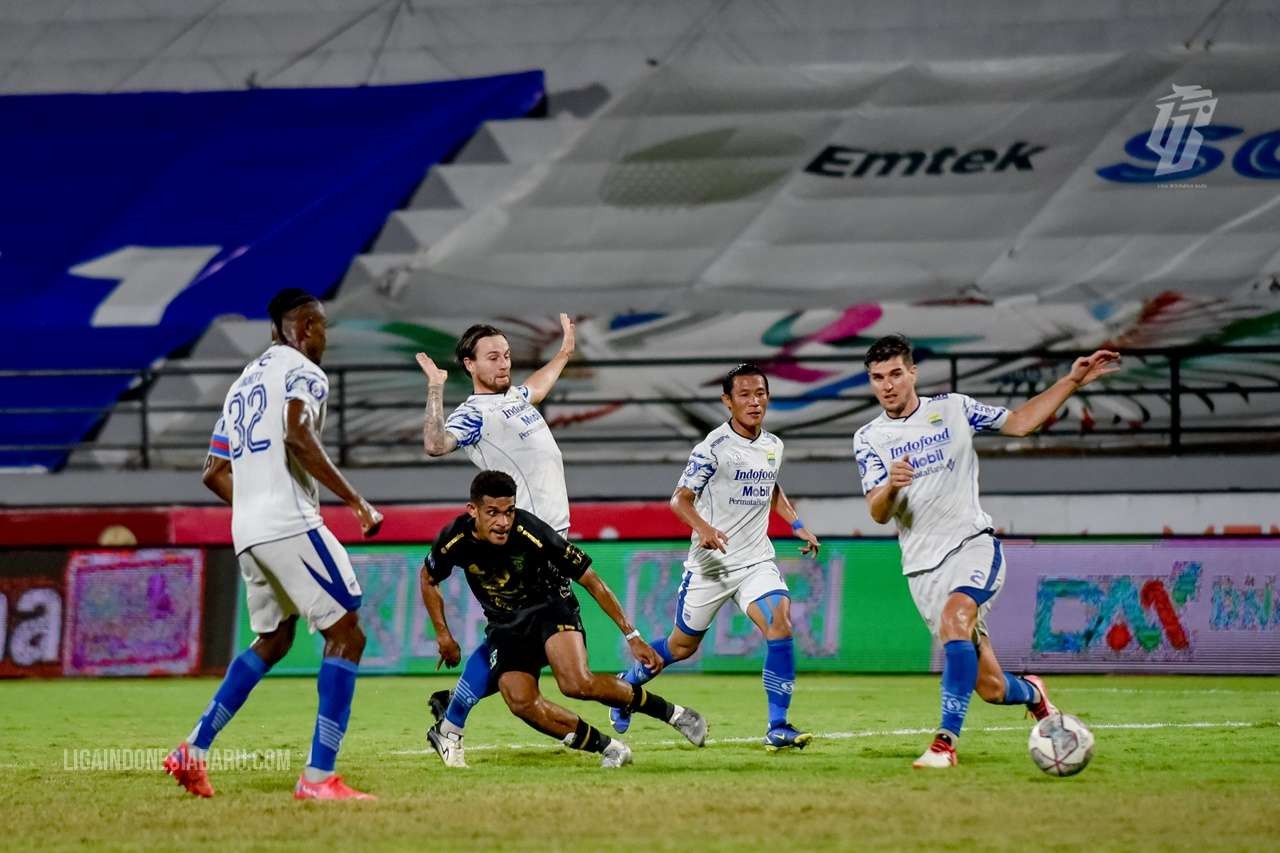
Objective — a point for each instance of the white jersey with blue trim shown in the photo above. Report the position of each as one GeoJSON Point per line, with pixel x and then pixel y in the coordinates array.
{"type": "Point", "coordinates": [733, 478]}
{"type": "Point", "coordinates": [940, 508]}
{"type": "Point", "coordinates": [273, 497]}
{"type": "Point", "coordinates": [505, 432]}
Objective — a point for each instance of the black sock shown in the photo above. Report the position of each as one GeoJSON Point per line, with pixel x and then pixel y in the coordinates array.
{"type": "Point", "coordinates": [588, 738]}
{"type": "Point", "coordinates": [651, 704]}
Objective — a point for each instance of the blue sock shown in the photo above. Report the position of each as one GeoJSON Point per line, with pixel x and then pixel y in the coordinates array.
{"type": "Point", "coordinates": [336, 685]}
{"type": "Point", "coordinates": [476, 682]}
{"type": "Point", "coordinates": [959, 677]}
{"type": "Point", "coordinates": [639, 673]}
{"type": "Point", "coordinates": [1017, 691]}
{"type": "Point", "coordinates": [779, 678]}
{"type": "Point", "coordinates": [242, 676]}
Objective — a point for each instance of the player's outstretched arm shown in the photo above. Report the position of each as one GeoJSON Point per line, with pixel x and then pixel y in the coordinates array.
{"type": "Point", "coordinates": [541, 382]}
{"type": "Point", "coordinates": [304, 445]}
{"type": "Point", "coordinates": [1031, 415]}
{"type": "Point", "coordinates": [436, 440]}
{"type": "Point", "coordinates": [216, 477]}
{"type": "Point", "coordinates": [710, 538]}
{"type": "Point", "coordinates": [609, 603]}
{"type": "Point", "coordinates": [783, 507]}
{"type": "Point", "coordinates": [450, 651]}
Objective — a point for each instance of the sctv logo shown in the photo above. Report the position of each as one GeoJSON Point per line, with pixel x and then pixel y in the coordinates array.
{"type": "Point", "coordinates": [1177, 145]}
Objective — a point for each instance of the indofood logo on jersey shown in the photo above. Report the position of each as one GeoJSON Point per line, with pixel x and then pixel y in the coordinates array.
{"type": "Point", "coordinates": [755, 474]}
{"type": "Point", "coordinates": [923, 443]}
{"type": "Point", "coordinates": [1117, 615]}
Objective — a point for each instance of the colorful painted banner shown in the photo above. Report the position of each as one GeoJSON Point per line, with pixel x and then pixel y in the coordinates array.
{"type": "Point", "coordinates": [1199, 605]}
{"type": "Point", "coordinates": [134, 612]}
{"type": "Point", "coordinates": [850, 609]}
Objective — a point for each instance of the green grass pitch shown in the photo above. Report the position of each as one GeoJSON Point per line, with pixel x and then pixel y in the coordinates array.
{"type": "Point", "coordinates": [1181, 762]}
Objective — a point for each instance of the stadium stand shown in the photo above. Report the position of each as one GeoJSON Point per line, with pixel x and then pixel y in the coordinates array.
{"type": "Point", "coordinates": [530, 175]}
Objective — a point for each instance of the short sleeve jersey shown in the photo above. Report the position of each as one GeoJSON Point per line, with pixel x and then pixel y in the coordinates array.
{"type": "Point", "coordinates": [513, 580]}
{"type": "Point", "coordinates": [940, 508]}
{"type": "Point", "coordinates": [505, 432]}
{"type": "Point", "coordinates": [733, 478]}
{"type": "Point", "coordinates": [273, 497]}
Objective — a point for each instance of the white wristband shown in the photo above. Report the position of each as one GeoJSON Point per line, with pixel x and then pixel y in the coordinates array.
{"type": "Point", "coordinates": [634, 635]}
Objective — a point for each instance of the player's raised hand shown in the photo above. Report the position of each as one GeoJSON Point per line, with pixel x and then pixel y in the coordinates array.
{"type": "Point", "coordinates": [1089, 368]}
{"type": "Point", "coordinates": [811, 543]}
{"type": "Point", "coordinates": [435, 376]}
{"type": "Point", "coordinates": [570, 337]}
{"type": "Point", "coordinates": [646, 654]}
{"type": "Point", "coordinates": [370, 519]}
{"type": "Point", "coordinates": [450, 651]}
{"type": "Point", "coordinates": [713, 539]}
{"type": "Point", "coordinates": [900, 473]}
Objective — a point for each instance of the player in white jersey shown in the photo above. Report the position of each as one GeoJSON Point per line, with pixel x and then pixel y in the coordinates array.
{"type": "Point", "coordinates": [264, 459]}
{"type": "Point", "coordinates": [918, 467]}
{"type": "Point", "coordinates": [499, 428]}
{"type": "Point", "coordinates": [725, 495]}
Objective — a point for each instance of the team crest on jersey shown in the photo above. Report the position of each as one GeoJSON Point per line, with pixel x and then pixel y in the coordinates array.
{"type": "Point", "coordinates": [935, 419]}
{"type": "Point", "coordinates": [773, 459]}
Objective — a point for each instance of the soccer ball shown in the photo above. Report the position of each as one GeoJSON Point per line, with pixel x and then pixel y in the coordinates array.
{"type": "Point", "coordinates": [1060, 745]}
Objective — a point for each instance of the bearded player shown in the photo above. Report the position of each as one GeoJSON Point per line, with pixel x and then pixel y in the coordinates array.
{"type": "Point", "coordinates": [918, 467]}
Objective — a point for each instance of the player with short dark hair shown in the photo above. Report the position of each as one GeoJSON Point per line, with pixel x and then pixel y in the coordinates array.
{"type": "Point", "coordinates": [265, 458]}
{"type": "Point", "coordinates": [515, 563]}
{"type": "Point", "coordinates": [732, 481]}
{"type": "Point", "coordinates": [498, 427]}
{"type": "Point", "coordinates": [918, 466]}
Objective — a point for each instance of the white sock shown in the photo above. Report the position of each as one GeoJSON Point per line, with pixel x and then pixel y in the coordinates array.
{"type": "Point", "coordinates": [449, 728]}
{"type": "Point", "coordinates": [677, 710]}
{"type": "Point", "coordinates": [312, 774]}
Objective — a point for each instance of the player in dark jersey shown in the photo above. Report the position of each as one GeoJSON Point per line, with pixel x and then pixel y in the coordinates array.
{"type": "Point", "coordinates": [514, 563]}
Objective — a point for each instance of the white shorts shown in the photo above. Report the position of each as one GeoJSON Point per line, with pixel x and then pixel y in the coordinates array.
{"type": "Point", "coordinates": [976, 567]}
{"type": "Point", "coordinates": [700, 596]}
{"type": "Point", "coordinates": [308, 574]}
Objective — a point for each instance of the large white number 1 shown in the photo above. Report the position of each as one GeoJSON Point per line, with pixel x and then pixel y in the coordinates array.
{"type": "Point", "coordinates": [150, 279]}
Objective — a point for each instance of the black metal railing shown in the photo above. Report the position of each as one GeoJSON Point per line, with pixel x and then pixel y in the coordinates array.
{"type": "Point", "coordinates": [992, 375]}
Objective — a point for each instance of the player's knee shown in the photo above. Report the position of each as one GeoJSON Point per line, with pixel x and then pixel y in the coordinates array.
{"type": "Point", "coordinates": [345, 639]}
{"type": "Point", "coordinates": [523, 706]}
{"type": "Point", "coordinates": [575, 686]}
{"type": "Point", "coordinates": [682, 647]}
{"type": "Point", "coordinates": [957, 619]}
{"type": "Point", "coordinates": [357, 640]}
{"type": "Point", "coordinates": [273, 646]}
{"type": "Point", "coordinates": [780, 628]}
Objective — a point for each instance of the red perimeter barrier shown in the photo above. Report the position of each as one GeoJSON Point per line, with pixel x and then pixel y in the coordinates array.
{"type": "Point", "coordinates": [154, 526]}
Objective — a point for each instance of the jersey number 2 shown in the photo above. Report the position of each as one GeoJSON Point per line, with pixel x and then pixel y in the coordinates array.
{"type": "Point", "coordinates": [255, 405]}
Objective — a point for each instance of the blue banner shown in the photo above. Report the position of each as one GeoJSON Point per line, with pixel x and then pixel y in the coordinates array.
{"type": "Point", "coordinates": [131, 221]}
